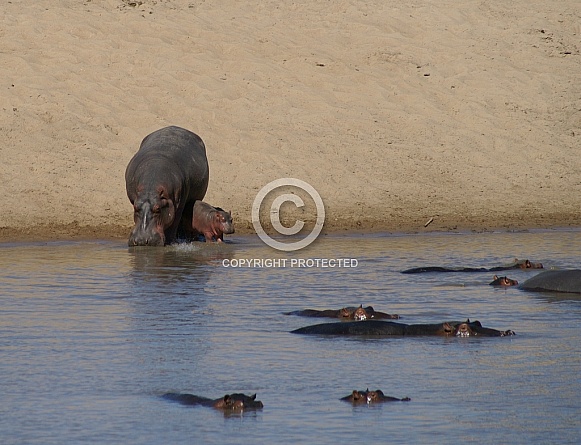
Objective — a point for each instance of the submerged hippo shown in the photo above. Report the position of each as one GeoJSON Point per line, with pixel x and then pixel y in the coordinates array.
{"type": "Point", "coordinates": [555, 281]}
{"type": "Point", "coordinates": [390, 328]}
{"type": "Point", "coordinates": [367, 397]}
{"type": "Point", "coordinates": [346, 313]}
{"type": "Point", "coordinates": [516, 264]}
{"type": "Point", "coordinates": [230, 402]}
{"type": "Point", "coordinates": [212, 222]}
{"type": "Point", "coordinates": [503, 281]}
{"type": "Point", "coordinates": [163, 180]}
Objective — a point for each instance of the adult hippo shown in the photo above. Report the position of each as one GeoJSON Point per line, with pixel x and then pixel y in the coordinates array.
{"type": "Point", "coordinates": [346, 313]}
{"type": "Point", "coordinates": [555, 281]}
{"type": "Point", "coordinates": [390, 328]}
{"type": "Point", "coordinates": [230, 402]}
{"type": "Point", "coordinates": [368, 397]}
{"type": "Point", "coordinates": [163, 180]}
{"type": "Point", "coordinates": [516, 264]}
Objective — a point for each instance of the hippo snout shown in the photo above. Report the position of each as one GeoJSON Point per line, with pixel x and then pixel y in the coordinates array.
{"type": "Point", "coordinates": [140, 238]}
{"type": "Point", "coordinates": [228, 227]}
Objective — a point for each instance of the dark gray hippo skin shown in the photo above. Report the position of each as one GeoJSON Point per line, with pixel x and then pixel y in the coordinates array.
{"type": "Point", "coordinates": [389, 328]}
{"type": "Point", "coordinates": [516, 264]}
{"type": "Point", "coordinates": [163, 180]}
{"type": "Point", "coordinates": [555, 281]}
{"type": "Point", "coordinates": [211, 222]}
{"type": "Point", "coordinates": [346, 313]}
{"type": "Point", "coordinates": [230, 402]}
{"type": "Point", "coordinates": [368, 397]}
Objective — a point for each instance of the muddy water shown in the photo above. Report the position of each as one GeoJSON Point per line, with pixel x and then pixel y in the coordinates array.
{"type": "Point", "coordinates": [92, 333]}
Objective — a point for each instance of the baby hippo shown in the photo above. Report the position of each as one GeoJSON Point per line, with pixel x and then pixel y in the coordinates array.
{"type": "Point", "coordinates": [377, 396]}
{"type": "Point", "coordinates": [212, 222]}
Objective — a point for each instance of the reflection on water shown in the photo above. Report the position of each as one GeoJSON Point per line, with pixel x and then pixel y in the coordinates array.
{"type": "Point", "coordinates": [92, 333]}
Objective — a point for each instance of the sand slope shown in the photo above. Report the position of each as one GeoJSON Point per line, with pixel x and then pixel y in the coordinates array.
{"type": "Point", "coordinates": [465, 111]}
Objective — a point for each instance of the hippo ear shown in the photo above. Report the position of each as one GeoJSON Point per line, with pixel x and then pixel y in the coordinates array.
{"type": "Point", "coordinates": [253, 397]}
{"type": "Point", "coordinates": [495, 277]}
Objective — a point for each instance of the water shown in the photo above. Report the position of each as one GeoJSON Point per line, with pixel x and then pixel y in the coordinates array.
{"type": "Point", "coordinates": [92, 333]}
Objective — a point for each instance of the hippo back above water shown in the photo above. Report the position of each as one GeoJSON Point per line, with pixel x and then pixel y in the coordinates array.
{"type": "Point", "coordinates": [516, 264]}
{"type": "Point", "coordinates": [163, 180]}
{"type": "Point", "coordinates": [555, 281]}
{"type": "Point", "coordinates": [230, 402]}
{"type": "Point", "coordinates": [346, 313]}
{"type": "Point", "coordinates": [389, 328]}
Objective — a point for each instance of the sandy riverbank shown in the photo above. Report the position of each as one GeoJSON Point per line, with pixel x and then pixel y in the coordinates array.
{"type": "Point", "coordinates": [467, 112]}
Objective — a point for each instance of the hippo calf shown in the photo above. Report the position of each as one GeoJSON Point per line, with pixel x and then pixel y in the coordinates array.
{"type": "Point", "coordinates": [367, 397]}
{"type": "Point", "coordinates": [346, 313]}
{"type": "Point", "coordinates": [390, 328]}
{"type": "Point", "coordinates": [164, 178]}
{"type": "Point", "coordinates": [230, 402]}
{"type": "Point", "coordinates": [516, 264]}
{"type": "Point", "coordinates": [555, 281]}
{"type": "Point", "coordinates": [503, 281]}
{"type": "Point", "coordinates": [212, 222]}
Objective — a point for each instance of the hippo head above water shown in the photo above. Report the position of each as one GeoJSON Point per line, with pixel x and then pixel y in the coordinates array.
{"type": "Point", "coordinates": [463, 330]}
{"type": "Point", "coordinates": [237, 402]}
{"type": "Point", "coordinates": [152, 213]}
{"type": "Point", "coordinates": [369, 397]}
{"type": "Point", "coordinates": [526, 264]}
{"type": "Point", "coordinates": [475, 328]}
{"type": "Point", "coordinates": [359, 314]}
{"type": "Point", "coordinates": [503, 281]}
